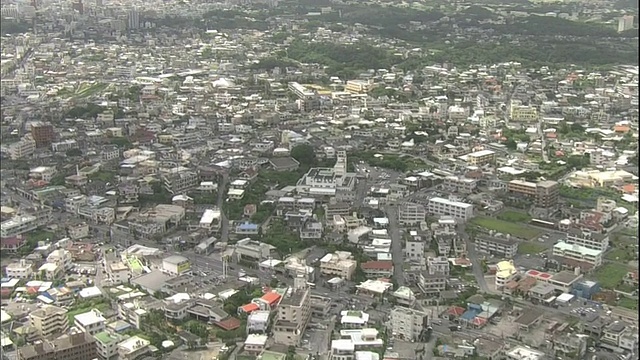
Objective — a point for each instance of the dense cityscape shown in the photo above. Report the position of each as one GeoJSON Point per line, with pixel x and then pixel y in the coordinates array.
{"type": "Point", "coordinates": [319, 180]}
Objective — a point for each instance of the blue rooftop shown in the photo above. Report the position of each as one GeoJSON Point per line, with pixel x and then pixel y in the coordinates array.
{"type": "Point", "coordinates": [469, 314]}
{"type": "Point", "coordinates": [248, 226]}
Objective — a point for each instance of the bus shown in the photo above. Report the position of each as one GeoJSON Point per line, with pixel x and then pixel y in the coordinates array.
{"type": "Point", "coordinates": [544, 224]}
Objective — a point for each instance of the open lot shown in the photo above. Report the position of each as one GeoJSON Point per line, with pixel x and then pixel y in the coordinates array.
{"type": "Point", "coordinates": [505, 227]}
{"type": "Point", "coordinates": [610, 275]}
{"type": "Point", "coordinates": [514, 216]}
{"type": "Point", "coordinates": [530, 248]}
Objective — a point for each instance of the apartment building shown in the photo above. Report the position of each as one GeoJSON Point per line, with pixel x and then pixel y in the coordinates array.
{"type": "Point", "coordinates": [502, 247]}
{"type": "Point", "coordinates": [49, 320]}
{"type": "Point", "coordinates": [578, 253]}
{"type": "Point", "coordinates": [181, 182]}
{"type": "Point", "coordinates": [107, 345]}
{"type": "Point", "coordinates": [408, 324]}
{"type": "Point", "coordinates": [411, 214]}
{"type": "Point", "coordinates": [431, 283]}
{"type": "Point", "coordinates": [293, 315]}
{"type": "Point", "coordinates": [353, 342]}
{"type": "Point", "coordinates": [258, 321]}
{"type": "Point", "coordinates": [43, 134]}
{"type": "Point", "coordinates": [62, 258]}
{"type": "Point", "coordinates": [377, 269]}
{"type": "Point", "coordinates": [414, 248]}
{"type": "Point", "coordinates": [251, 250]}
{"type": "Point", "coordinates": [460, 185]}
{"type": "Point", "coordinates": [358, 86]}
{"type": "Point", "coordinates": [522, 113]}
{"type": "Point", "coordinates": [21, 269]}
{"type": "Point", "coordinates": [133, 348]}
{"type": "Point", "coordinates": [75, 346]}
{"type": "Point", "coordinates": [91, 322]}
{"type": "Point", "coordinates": [479, 158]}
{"type": "Point", "coordinates": [619, 336]}
{"type": "Point", "coordinates": [22, 149]}
{"type": "Point", "coordinates": [351, 319]}
{"type": "Point", "coordinates": [339, 264]}
{"type": "Point", "coordinates": [18, 225]}
{"type": "Point", "coordinates": [445, 207]}
{"type": "Point", "coordinates": [544, 193]}
{"type": "Point", "coordinates": [588, 239]}
{"type": "Point", "coordinates": [438, 265]}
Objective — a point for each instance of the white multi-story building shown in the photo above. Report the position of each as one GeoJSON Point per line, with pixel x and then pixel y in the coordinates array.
{"type": "Point", "coordinates": [21, 269]}
{"type": "Point", "coordinates": [351, 319]}
{"type": "Point", "coordinates": [579, 253]}
{"type": "Point", "coordinates": [62, 258]}
{"type": "Point", "coordinates": [408, 324]}
{"type": "Point", "coordinates": [107, 345]}
{"type": "Point", "coordinates": [92, 322]}
{"type": "Point", "coordinates": [339, 264]}
{"type": "Point", "coordinates": [293, 314]}
{"type": "Point", "coordinates": [456, 209]}
{"type": "Point", "coordinates": [23, 148]}
{"type": "Point", "coordinates": [49, 320]}
{"type": "Point", "coordinates": [258, 321]}
{"type": "Point", "coordinates": [18, 225]}
{"type": "Point", "coordinates": [411, 214]}
{"type": "Point", "coordinates": [588, 239]}
{"type": "Point", "coordinates": [176, 265]}
{"type": "Point", "coordinates": [133, 347]}
{"type": "Point", "coordinates": [354, 341]}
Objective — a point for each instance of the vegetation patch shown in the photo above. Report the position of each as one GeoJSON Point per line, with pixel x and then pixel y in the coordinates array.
{"type": "Point", "coordinates": [525, 248]}
{"type": "Point", "coordinates": [505, 227]}
{"type": "Point", "coordinates": [514, 216]}
{"type": "Point", "coordinates": [610, 275]}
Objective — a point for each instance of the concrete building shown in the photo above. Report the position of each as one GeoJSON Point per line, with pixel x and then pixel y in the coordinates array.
{"type": "Point", "coordinates": [579, 253]}
{"type": "Point", "coordinates": [293, 314]}
{"type": "Point", "coordinates": [75, 346]}
{"type": "Point", "coordinates": [21, 269]}
{"type": "Point", "coordinates": [479, 158]}
{"type": "Point", "coordinates": [107, 345]}
{"type": "Point", "coordinates": [503, 247]}
{"type": "Point", "coordinates": [625, 23]}
{"type": "Point", "coordinates": [544, 194]}
{"type": "Point", "coordinates": [176, 265]}
{"type": "Point", "coordinates": [18, 225]}
{"type": "Point", "coordinates": [408, 324]}
{"type": "Point", "coordinates": [49, 321]}
{"type": "Point", "coordinates": [411, 214]}
{"type": "Point", "coordinates": [456, 209]}
{"type": "Point", "coordinates": [91, 322]}
{"type": "Point", "coordinates": [589, 239]}
{"type": "Point", "coordinates": [43, 134]}
{"type": "Point", "coordinates": [133, 348]}
{"type": "Point", "coordinates": [258, 321]}
{"type": "Point", "coordinates": [339, 264]}
{"type": "Point", "coordinates": [505, 272]}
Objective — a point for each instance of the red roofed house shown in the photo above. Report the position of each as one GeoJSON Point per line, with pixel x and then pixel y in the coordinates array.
{"type": "Point", "coordinates": [248, 308]}
{"type": "Point", "coordinates": [378, 269]}
{"type": "Point", "coordinates": [12, 244]}
{"type": "Point", "coordinates": [455, 311]}
{"type": "Point", "coordinates": [271, 298]}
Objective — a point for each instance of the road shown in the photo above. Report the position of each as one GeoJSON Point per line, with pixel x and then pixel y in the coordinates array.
{"type": "Point", "coordinates": [397, 252]}
{"type": "Point", "coordinates": [473, 256]}
{"type": "Point", "coordinates": [224, 221]}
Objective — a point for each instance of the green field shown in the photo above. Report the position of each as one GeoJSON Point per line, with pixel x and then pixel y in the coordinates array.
{"type": "Point", "coordinates": [530, 248]}
{"type": "Point", "coordinates": [514, 216]}
{"type": "Point", "coordinates": [618, 254]}
{"type": "Point", "coordinates": [610, 275]}
{"type": "Point", "coordinates": [506, 227]}
{"type": "Point", "coordinates": [628, 303]}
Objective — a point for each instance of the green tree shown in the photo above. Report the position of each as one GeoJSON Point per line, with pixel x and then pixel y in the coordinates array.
{"type": "Point", "coordinates": [73, 152]}
{"type": "Point", "coordinates": [305, 154]}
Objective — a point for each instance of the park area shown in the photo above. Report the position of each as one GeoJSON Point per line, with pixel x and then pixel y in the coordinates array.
{"type": "Point", "coordinates": [506, 227]}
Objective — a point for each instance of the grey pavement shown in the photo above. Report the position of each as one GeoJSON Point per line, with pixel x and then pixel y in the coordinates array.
{"type": "Point", "coordinates": [397, 252]}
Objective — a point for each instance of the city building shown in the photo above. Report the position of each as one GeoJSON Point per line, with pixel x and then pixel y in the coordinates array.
{"type": "Point", "coordinates": [49, 320]}
{"type": "Point", "coordinates": [445, 207]}
{"type": "Point", "coordinates": [505, 272]}
{"type": "Point", "coordinates": [544, 193]}
{"type": "Point", "coordinates": [339, 264]}
{"type": "Point", "coordinates": [502, 247]}
{"type": "Point", "coordinates": [479, 158]}
{"type": "Point", "coordinates": [587, 238]}
{"type": "Point", "coordinates": [293, 314]}
{"type": "Point", "coordinates": [133, 348]}
{"type": "Point", "coordinates": [578, 253]}
{"type": "Point", "coordinates": [18, 225]}
{"type": "Point", "coordinates": [408, 324]}
{"type": "Point", "coordinates": [107, 345]}
{"type": "Point", "coordinates": [43, 134]}
{"type": "Point", "coordinates": [21, 269]}
{"type": "Point", "coordinates": [625, 23]}
{"type": "Point", "coordinates": [176, 265]}
{"type": "Point", "coordinates": [411, 214]}
{"type": "Point", "coordinates": [91, 322]}
{"type": "Point", "coordinates": [74, 346]}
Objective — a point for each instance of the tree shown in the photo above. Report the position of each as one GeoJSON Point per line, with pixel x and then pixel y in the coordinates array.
{"type": "Point", "coordinates": [305, 154]}
{"type": "Point", "coordinates": [291, 353]}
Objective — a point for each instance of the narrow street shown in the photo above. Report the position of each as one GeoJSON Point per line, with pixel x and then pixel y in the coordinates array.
{"type": "Point", "coordinates": [397, 252]}
{"type": "Point", "coordinates": [476, 263]}
{"type": "Point", "coordinates": [224, 221]}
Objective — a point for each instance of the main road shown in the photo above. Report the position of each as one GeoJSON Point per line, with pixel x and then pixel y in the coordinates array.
{"type": "Point", "coordinates": [396, 244]}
